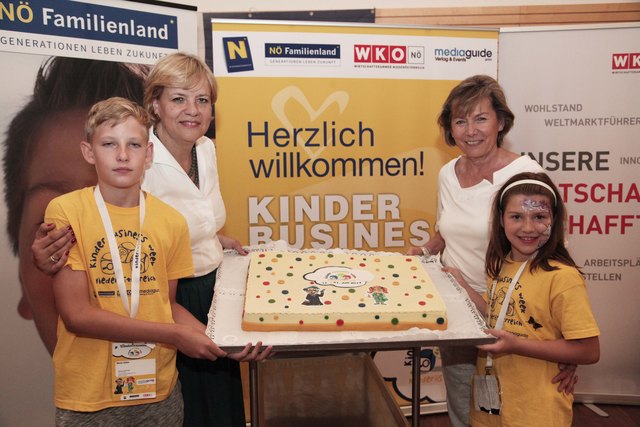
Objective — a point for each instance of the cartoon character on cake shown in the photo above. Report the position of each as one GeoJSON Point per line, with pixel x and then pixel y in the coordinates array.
{"type": "Point", "coordinates": [378, 292]}
{"type": "Point", "coordinates": [314, 294]}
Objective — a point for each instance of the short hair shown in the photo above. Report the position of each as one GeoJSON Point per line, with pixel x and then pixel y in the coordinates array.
{"type": "Point", "coordinates": [466, 95]}
{"type": "Point", "coordinates": [115, 110]}
{"type": "Point", "coordinates": [176, 70]}
{"type": "Point", "coordinates": [61, 84]}
{"type": "Point", "coordinates": [499, 245]}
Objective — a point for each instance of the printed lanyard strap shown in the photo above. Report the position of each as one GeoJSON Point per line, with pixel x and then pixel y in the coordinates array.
{"type": "Point", "coordinates": [115, 255]}
{"type": "Point", "coordinates": [504, 308]}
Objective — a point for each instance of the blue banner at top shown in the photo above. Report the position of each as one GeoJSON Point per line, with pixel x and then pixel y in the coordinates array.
{"type": "Point", "coordinates": [90, 21]}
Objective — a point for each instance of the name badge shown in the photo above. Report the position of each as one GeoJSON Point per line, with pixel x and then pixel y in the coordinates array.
{"type": "Point", "coordinates": [133, 370]}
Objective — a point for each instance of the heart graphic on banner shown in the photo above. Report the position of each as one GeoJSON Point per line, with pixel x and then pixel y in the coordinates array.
{"type": "Point", "coordinates": [280, 100]}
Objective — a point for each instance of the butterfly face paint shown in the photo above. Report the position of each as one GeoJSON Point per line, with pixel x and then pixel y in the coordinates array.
{"type": "Point", "coordinates": [527, 221]}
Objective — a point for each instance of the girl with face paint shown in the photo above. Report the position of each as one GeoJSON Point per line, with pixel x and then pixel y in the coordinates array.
{"type": "Point", "coordinates": [546, 319]}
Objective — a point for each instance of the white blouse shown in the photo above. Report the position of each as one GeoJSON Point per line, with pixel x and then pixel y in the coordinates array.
{"type": "Point", "coordinates": [202, 207]}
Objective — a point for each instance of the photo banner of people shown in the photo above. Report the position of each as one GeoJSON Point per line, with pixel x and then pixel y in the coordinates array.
{"type": "Point", "coordinates": [326, 137]}
{"type": "Point", "coordinates": [78, 51]}
{"type": "Point", "coordinates": [574, 92]}
{"type": "Point", "coordinates": [327, 134]}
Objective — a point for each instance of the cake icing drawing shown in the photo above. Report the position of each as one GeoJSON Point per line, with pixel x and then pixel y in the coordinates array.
{"type": "Point", "coordinates": [324, 291]}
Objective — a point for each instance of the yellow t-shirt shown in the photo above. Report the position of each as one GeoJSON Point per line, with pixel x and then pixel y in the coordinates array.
{"type": "Point", "coordinates": [546, 305]}
{"type": "Point", "coordinates": [83, 371]}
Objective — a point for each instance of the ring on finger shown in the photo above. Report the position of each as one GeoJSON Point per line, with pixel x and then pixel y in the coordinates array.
{"type": "Point", "coordinates": [54, 259]}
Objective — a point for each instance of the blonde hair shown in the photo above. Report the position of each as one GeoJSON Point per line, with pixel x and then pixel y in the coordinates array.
{"type": "Point", "coordinates": [176, 70]}
{"type": "Point", "coordinates": [116, 110]}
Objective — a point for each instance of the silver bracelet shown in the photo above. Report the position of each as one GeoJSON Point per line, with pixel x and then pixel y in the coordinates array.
{"type": "Point", "coordinates": [426, 252]}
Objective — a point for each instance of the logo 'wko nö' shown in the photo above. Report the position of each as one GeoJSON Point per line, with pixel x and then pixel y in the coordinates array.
{"type": "Point", "coordinates": [625, 61]}
{"type": "Point", "coordinates": [384, 54]}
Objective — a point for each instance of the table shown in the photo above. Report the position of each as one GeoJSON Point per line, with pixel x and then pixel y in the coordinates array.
{"type": "Point", "coordinates": [465, 324]}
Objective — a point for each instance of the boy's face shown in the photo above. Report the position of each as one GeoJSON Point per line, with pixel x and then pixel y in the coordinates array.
{"type": "Point", "coordinates": [120, 152]}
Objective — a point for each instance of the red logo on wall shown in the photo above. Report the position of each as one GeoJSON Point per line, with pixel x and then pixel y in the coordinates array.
{"type": "Point", "coordinates": [381, 54]}
{"type": "Point", "coordinates": [625, 61]}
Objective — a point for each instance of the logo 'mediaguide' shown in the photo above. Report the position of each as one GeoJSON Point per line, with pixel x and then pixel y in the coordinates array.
{"type": "Point", "coordinates": [625, 61]}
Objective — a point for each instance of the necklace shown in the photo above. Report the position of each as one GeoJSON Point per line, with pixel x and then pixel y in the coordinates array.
{"type": "Point", "coordinates": [193, 170]}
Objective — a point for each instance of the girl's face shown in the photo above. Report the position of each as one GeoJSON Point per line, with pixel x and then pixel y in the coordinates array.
{"type": "Point", "coordinates": [527, 220]}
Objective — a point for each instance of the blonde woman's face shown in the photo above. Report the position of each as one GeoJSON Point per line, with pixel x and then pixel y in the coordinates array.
{"type": "Point", "coordinates": [185, 113]}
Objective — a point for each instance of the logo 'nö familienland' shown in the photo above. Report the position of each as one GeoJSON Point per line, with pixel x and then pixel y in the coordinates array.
{"type": "Point", "coordinates": [237, 54]}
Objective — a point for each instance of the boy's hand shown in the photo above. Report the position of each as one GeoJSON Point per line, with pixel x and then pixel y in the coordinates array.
{"type": "Point", "coordinates": [248, 355]}
{"type": "Point", "coordinates": [50, 248]}
{"type": "Point", "coordinates": [196, 344]}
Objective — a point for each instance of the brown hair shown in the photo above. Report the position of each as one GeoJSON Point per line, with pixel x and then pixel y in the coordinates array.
{"type": "Point", "coordinates": [466, 95]}
{"type": "Point", "coordinates": [499, 246]}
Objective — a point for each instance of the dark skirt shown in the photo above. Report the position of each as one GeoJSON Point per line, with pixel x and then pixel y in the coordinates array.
{"type": "Point", "coordinates": [212, 391]}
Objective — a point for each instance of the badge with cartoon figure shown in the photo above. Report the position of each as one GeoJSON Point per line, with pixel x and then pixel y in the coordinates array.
{"type": "Point", "coordinates": [133, 371]}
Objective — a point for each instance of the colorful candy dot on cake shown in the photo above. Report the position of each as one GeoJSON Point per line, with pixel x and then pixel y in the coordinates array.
{"type": "Point", "coordinates": [395, 283]}
{"type": "Point", "coordinates": [362, 305]}
{"type": "Point", "coordinates": [413, 267]}
{"type": "Point", "coordinates": [326, 317]}
{"type": "Point", "coordinates": [327, 302]}
{"type": "Point", "coordinates": [339, 322]}
{"type": "Point", "coordinates": [391, 266]}
{"type": "Point", "coordinates": [329, 255]}
{"type": "Point", "coordinates": [272, 301]}
{"type": "Point", "coordinates": [376, 260]}
{"type": "Point", "coordinates": [261, 255]}
{"type": "Point", "coordinates": [286, 306]}
{"type": "Point", "coordinates": [362, 264]}
{"type": "Point", "coordinates": [424, 315]}
{"type": "Point", "coordinates": [422, 303]}
{"type": "Point", "coordinates": [429, 295]}
{"type": "Point", "coordinates": [285, 292]}
{"type": "Point", "coordinates": [276, 317]}
{"type": "Point", "coordinates": [345, 297]}
{"type": "Point", "coordinates": [261, 319]}
{"type": "Point", "coordinates": [300, 322]}
{"type": "Point", "coordinates": [396, 275]}
{"type": "Point", "coordinates": [274, 260]}
{"type": "Point", "coordinates": [440, 321]}
{"type": "Point", "coordinates": [289, 274]}
{"type": "Point", "coordinates": [417, 287]}
{"type": "Point", "coordinates": [395, 321]}
{"type": "Point", "coordinates": [351, 291]}
{"type": "Point", "coordinates": [312, 257]}
{"type": "Point", "coordinates": [298, 259]}
{"type": "Point", "coordinates": [406, 294]}
{"type": "Point", "coordinates": [279, 255]}
{"type": "Point", "coordinates": [266, 283]}
{"type": "Point", "coordinates": [280, 282]}
{"type": "Point", "coordinates": [268, 268]}
{"type": "Point", "coordinates": [377, 317]}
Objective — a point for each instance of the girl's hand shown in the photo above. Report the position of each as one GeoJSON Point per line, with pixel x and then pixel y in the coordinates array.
{"type": "Point", "coordinates": [566, 378]}
{"type": "Point", "coordinates": [505, 343]}
{"type": "Point", "coordinates": [50, 248]}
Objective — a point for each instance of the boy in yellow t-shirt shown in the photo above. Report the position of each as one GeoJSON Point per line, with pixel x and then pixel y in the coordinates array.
{"type": "Point", "coordinates": [119, 324]}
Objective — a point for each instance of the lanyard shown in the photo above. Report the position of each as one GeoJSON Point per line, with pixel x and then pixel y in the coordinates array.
{"type": "Point", "coordinates": [115, 255]}
{"type": "Point", "coordinates": [505, 305]}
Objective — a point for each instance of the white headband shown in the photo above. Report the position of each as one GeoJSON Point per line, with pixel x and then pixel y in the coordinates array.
{"type": "Point", "coordinates": [529, 181]}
